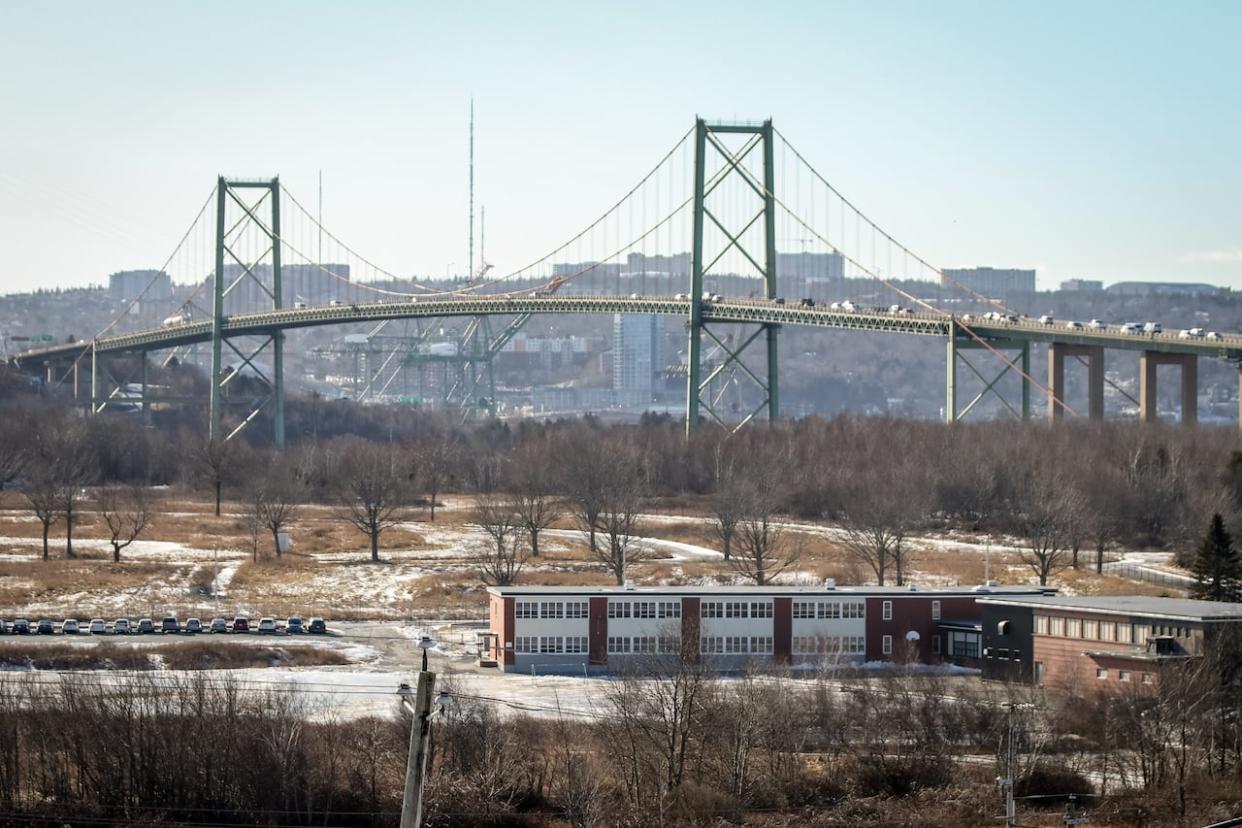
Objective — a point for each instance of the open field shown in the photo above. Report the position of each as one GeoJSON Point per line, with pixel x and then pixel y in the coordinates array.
{"type": "Point", "coordinates": [191, 563]}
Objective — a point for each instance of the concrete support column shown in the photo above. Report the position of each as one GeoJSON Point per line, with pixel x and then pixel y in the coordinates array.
{"type": "Point", "coordinates": [950, 402]}
{"type": "Point", "coordinates": [1190, 389]}
{"type": "Point", "coordinates": [1056, 380]}
{"type": "Point", "coordinates": [1094, 355]}
{"type": "Point", "coordinates": [1149, 361]}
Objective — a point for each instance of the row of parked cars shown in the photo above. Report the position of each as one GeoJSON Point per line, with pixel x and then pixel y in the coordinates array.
{"type": "Point", "coordinates": [122, 626]}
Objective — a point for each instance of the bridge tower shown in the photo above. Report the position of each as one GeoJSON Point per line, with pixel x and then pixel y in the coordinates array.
{"type": "Point", "coordinates": [761, 256]}
{"type": "Point", "coordinates": [235, 200]}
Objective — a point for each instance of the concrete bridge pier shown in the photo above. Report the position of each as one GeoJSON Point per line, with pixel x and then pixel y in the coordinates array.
{"type": "Point", "coordinates": [1094, 356]}
{"type": "Point", "coordinates": [1148, 363]}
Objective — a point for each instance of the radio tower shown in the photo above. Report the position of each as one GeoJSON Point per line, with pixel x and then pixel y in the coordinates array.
{"type": "Point", "coordinates": [470, 257]}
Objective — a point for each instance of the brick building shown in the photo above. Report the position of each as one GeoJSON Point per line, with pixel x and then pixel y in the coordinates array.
{"type": "Point", "coordinates": [1098, 641]}
{"type": "Point", "coordinates": [601, 628]}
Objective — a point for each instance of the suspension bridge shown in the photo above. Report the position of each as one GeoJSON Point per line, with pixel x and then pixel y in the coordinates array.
{"type": "Point", "coordinates": [706, 228]}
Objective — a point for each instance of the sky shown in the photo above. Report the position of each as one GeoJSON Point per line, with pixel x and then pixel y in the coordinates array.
{"type": "Point", "coordinates": [1096, 140]}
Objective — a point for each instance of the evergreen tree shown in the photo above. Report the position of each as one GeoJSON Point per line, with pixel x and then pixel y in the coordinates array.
{"type": "Point", "coordinates": [1217, 569]}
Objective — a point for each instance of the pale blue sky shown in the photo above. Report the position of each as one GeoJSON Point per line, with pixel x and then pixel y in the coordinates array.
{"type": "Point", "coordinates": [1086, 139]}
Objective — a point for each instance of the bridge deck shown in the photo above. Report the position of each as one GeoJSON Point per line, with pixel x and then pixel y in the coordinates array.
{"type": "Point", "coordinates": [730, 310]}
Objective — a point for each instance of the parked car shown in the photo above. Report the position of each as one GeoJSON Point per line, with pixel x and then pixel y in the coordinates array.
{"type": "Point", "coordinates": [219, 625]}
{"type": "Point", "coordinates": [146, 625]}
{"type": "Point", "coordinates": [69, 626]}
{"type": "Point", "coordinates": [241, 624]}
{"type": "Point", "coordinates": [3, 629]}
{"type": "Point", "coordinates": [45, 627]}
{"type": "Point", "coordinates": [193, 625]}
{"type": "Point", "coordinates": [170, 624]}
{"type": "Point", "coordinates": [294, 625]}
{"type": "Point", "coordinates": [317, 626]}
{"type": "Point", "coordinates": [267, 626]}
{"type": "Point", "coordinates": [98, 627]}
{"type": "Point", "coordinates": [21, 626]}
{"type": "Point", "coordinates": [120, 626]}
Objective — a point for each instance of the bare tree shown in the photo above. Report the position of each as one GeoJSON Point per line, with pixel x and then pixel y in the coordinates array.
{"type": "Point", "coordinates": [73, 468]}
{"type": "Point", "coordinates": [620, 496]}
{"type": "Point", "coordinates": [727, 505]}
{"type": "Point", "coordinates": [126, 513]}
{"type": "Point", "coordinates": [502, 558]}
{"type": "Point", "coordinates": [582, 458]}
{"type": "Point", "coordinates": [437, 458]}
{"type": "Point", "coordinates": [213, 459]}
{"type": "Point", "coordinates": [273, 503]}
{"type": "Point", "coordinates": [534, 491]}
{"type": "Point", "coordinates": [764, 550]}
{"type": "Point", "coordinates": [1039, 512]}
{"type": "Point", "coordinates": [879, 511]}
{"type": "Point", "coordinates": [372, 489]}
{"type": "Point", "coordinates": [43, 495]}
{"type": "Point", "coordinates": [13, 451]}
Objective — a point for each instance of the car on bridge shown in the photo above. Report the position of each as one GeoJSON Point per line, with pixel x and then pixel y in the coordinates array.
{"type": "Point", "coordinates": [1152, 327]}
{"type": "Point", "coordinates": [1073, 326]}
{"type": "Point", "coordinates": [1046, 320]}
{"type": "Point", "coordinates": [1212, 335]}
{"type": "Point", "coordinates": [1097, 325]}
{"type": "Point", "coordinates": [1131, 328]}
{"type": "Point", "coordinates": [1191, 333]}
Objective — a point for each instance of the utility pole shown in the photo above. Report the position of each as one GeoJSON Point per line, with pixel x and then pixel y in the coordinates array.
{"type": "Point", "coordinates": [1006, 782]}
{"type": "Point", "coordinates": [420, 740]}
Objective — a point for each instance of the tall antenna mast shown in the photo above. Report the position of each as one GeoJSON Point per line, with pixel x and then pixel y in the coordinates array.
{"type": "Point", "coordinates": [320, 221]}
{"type": "Point", "coordinates": [470, 260]}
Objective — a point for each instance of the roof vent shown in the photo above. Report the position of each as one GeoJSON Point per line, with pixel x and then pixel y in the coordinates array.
{"type": "Point", "coordinates": [629, 585]}
{"type": "Point", "coordinates": [830, 583]}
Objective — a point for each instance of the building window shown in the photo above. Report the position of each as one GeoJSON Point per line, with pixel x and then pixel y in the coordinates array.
{"type": "Point", "coordinates": [645, 609]}
{"type": "Point", "coordinates": [645, 644]}
{"type": "Point", "coordinates": [618, 644]}
{"type": "Point", "coordinates": [1108, 631]}
{"type": "Point", "coordinates": [526, 644]}
{"type": "Point", "coordinates": [886, 612]}
{"type": "Point", "coordinates": [760, 609]}
{"type": "Point", "coordinates": [1101, 673]}
{"type": "Point", "coordinates": [711, 609]}
{"type": "Point", "coordinates": [1123, 675]}
{"type": "Point", "coordinates": [551, 644]}
{"type": "Point", "coordinates": [935, 645]}
{"type": "Point", "coordinates": [552, 609]}
{"type": "Point", "coordinates": [575, 644]}
{"type": "Point", "coordinates": [762, 645]}
{"type": "Point", "coordinates": [1056, 626]}
{"type": "Point", "coordinates": [737, 609]}
{"type": "Point", "coordinates": [1041, 625]}
{"type": "Point", "coordinates": [1147, 678]}
{"type": "Point", "coordinates": [736, 645]}
{"type": "Point", "coordinates": [618, 609]}
{"type": "Point", "coordinates": [670, 609]}
{"type": "Point", "coordinates": [964, 644]}
{"type": "Point", "coordinates": [803, 609]}
{"type": "Point", "coordinates": [1123, 633]}
{"type": "Point", "coordinates": [886, 644]}
{"type": "Point", "coordinates": [670, 644]}
{"type": "Point", "coordinates": [711, 644]}
{"type": "Point", "coordinates": [829, 609]}
{"type": "Point", "coordinates": [577, 609]}
{"type": "Point", "coordinates": [854, 609]}
{"type": "Point", "coordinates": [1091, 630]}
{"type": "Point", "coordinates": [1073, 628]}
{"type": "Point", "coordinates": [935, 610]}
{"type": "Point", "coordinates": [526, 609]}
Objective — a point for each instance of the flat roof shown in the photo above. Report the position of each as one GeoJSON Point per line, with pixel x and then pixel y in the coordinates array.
{"type": "Point", "coordinates": [1144, 605]}
{"type": "Point", "coordinates": [800, 591]}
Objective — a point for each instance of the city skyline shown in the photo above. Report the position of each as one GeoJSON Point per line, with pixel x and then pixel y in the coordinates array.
{"type": "Point", "coordinates": [1080, 142]}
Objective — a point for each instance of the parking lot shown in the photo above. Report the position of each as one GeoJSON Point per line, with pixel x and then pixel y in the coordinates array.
{"type": "Point", "coordinates": [166, 625]}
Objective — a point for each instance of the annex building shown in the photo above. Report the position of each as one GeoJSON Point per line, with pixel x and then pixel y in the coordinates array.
{"type": "Point", "coordinates": [1105, 641]}
{"type": "Point", "coordinates": [600, 628]}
